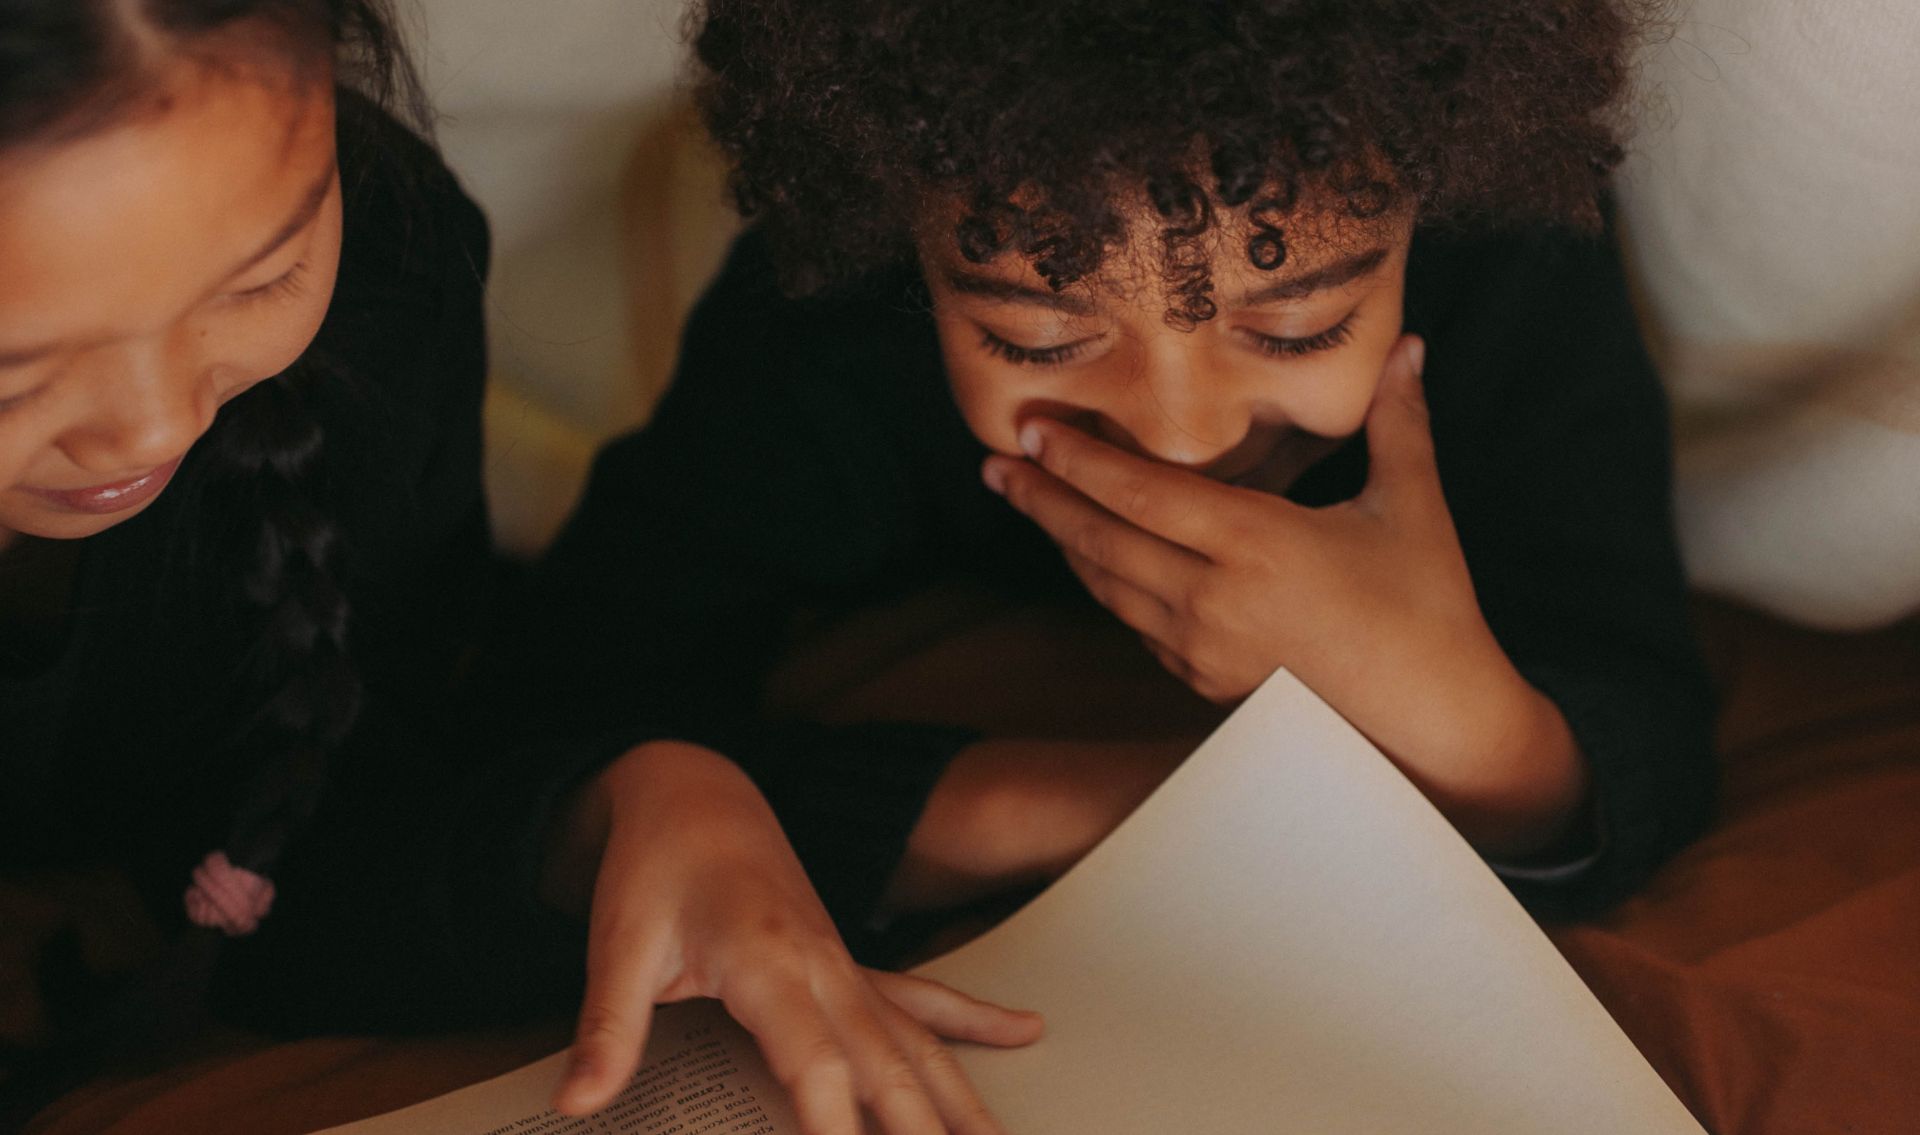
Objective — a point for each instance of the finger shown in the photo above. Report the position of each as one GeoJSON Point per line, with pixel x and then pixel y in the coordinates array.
{"type": "Point", "coordinates": [884, 1077]}
{"type": "Point", "coordinates": [1135, 606]}
{"type": "Point", "coordinates": [952, 1014]}
{"type": "Point", "coordinates": [1083, 528]}
{"type": "Point", "coordinates": [622, 979]}
{"type": "Point", "coordinates": [801, 1050]}
{"type": "Point", "coordinates": [1175, 504]}
{"type": "Point", "coordinates": [954, 1098]}
{"type": "Point", "coordinates": [1399, 431]}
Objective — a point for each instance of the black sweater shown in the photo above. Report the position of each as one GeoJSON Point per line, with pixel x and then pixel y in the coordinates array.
{"type": "Point", "coordinates": [406, 900]}
{"type": "Point", "coordinates": [808, 455]}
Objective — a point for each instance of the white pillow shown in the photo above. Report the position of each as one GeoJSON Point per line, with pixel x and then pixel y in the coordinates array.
{"type": "Point", "coordinates": [1771, 212]}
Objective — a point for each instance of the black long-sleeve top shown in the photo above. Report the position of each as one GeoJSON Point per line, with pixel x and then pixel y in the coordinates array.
{"type": "Point", "coordinates": [407, 900]}
{"type": "Point", "coordinates": [808, 455]}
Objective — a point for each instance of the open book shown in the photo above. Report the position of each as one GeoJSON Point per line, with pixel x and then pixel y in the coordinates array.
{"type": "Point", "coordinates": [1286, 937]}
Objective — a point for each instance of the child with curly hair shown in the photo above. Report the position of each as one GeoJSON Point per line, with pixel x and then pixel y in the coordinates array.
{"type": "Point", "coordinates": [1290, 329]}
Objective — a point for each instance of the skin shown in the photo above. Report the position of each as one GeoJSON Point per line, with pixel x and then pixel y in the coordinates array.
{"type": "Point", "coordinates": [155, 268]}
{"type": "Point", "coordinates": [1154, 457]}
{"type": "Point", "coordinates": [695, 892]}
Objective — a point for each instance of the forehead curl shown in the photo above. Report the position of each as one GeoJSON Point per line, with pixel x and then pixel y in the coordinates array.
{"type": "Point", "coordinates": [845, 122]}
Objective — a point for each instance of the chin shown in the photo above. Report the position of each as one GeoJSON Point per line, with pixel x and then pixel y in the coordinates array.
{"type": "Point", "coordinates": [43, 524]}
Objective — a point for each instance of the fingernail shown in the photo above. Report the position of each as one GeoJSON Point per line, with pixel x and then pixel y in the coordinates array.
{"type": "Point", "coordinates": [994, 473]}
{"type": "Point", "coordinates": [1031, 440]}
{"type": "Point", "coordinates": [1417, 356]}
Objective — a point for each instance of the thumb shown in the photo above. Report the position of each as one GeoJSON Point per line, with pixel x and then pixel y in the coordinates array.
{"type": "Point", "coordinates": [1399, 433]}
{"type": "Point", "coordinates": [614, 1020]}
{"type": "Point", "coordinates": [628, 963]}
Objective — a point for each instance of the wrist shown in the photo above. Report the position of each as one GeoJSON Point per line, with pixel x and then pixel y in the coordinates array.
{"type": "Point", "coordinates": [1012, 813]}
{"type": "Point", "coordinates": [1522, 781]}
{"type": "Point", "coordinates": [653, 783]}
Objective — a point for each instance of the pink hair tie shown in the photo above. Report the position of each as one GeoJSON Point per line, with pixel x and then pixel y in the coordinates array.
{"type": "Point", "coordinates": [226, 898]}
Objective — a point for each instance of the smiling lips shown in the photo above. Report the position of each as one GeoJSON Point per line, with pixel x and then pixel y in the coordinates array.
{"type": "Point", "coordinates": [117, 497]}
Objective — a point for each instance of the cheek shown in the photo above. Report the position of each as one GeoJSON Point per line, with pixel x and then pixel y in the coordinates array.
{"type": "Point", "coordinates": [17, 452]}
{"type": "Point", "coordinates": [259, 346]}
{"type": "Point", "coordinates": [1334, 400]}
{"type": "Point", "coordinates": [981, 390]}
{"type": "Point", "coordinates": [279, 342]}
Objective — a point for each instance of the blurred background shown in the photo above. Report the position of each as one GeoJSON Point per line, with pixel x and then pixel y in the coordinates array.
{"type": "Point", "coordinates": [564, 118]}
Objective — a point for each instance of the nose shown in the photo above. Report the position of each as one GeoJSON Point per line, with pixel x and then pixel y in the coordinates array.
{"type": "Point", "coordinates": [151, 403]}
{"type": "Point", "coordinates": [1177, 409]}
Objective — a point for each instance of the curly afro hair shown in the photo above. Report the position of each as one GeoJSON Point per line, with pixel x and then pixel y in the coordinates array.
{"type": "Point", "coordinates": [848, 122]}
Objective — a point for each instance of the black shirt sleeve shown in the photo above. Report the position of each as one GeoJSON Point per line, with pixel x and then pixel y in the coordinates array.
{"type": "Point", "coordinates": [1552, 436]}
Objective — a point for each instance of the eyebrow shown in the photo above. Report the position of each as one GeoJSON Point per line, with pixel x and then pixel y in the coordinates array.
{"type": "Point", "coordinates": [301, 217]}
{"type": "Point", "coordinates": [1013, 291]}
{"type": "Point", "coordinates": [1343, 271]}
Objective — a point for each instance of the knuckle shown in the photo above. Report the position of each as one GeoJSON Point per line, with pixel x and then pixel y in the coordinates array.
{"type": "Point", "coordinates": [599, 1026]}
{"type": "Point", "coordinates": [897, 1084]}
{"type": "Point", "coordinates": [835, 969]}
{"type": "Point", "coordinates": [822, 1067]}
{"type": "Point", "coordinates": [1093, 543]}
{"type": "Point", "coordinates": [1138, 495]}
{"type": "Point", "coordinates": [764, 981]}
{"type": "Point", "coordinates": [1205, 604]}
{"type": "Point", "coordinates": [937, 1058]}
{"type": "Point", "coordinates": [1059, 459]}
{"type": "Point", "coordinates": [1214, 690]}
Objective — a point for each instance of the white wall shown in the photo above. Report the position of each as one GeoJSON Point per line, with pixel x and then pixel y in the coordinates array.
{"type": "Point", "coordinates": [561, 117]}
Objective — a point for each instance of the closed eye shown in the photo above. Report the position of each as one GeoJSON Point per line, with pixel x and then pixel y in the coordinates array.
{"type": "Point", "coordinates": [1277, 346]}
{"type": "Point", "coordinates": [20, 399]}
{"type": "Point", "coordinates": [289, 284]}
{"type": "Point", "coordinates": [1033, 356]}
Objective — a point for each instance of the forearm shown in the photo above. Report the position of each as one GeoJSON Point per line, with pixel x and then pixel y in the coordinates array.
{"type": "Point", "coordinates": [1514, 780]}
{"type": "Point", "coordinates": [664, 778]}
{"type": "Point", "coordinates": [1011, 813]}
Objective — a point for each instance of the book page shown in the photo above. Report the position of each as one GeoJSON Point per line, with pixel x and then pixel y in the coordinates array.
{"type": "Point", "coordinates": [1289, 937]}
{"type": "Point", "coordinates": [702, 1075]}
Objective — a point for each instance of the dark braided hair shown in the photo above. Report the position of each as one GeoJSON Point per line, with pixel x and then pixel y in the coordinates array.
{"type": "Point", "coordinates": [71, 66]}
{"type": "Point", "coordinates": [851, 122]}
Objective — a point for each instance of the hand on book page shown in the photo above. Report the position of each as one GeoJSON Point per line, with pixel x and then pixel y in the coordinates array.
{"type": "Point", "coordinates": [698, 894]}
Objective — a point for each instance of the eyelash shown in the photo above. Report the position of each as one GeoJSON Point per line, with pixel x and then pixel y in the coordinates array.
{"type": "Point", "coordinates": [18, 400]}
{"type": "Point", "coordinates": [1272, 345]}
{"type": "Point", "coordinates": [1332, 337]}
{"type": "Point", "coordinates": [286, 287]}
{"type": "Point", "coordinates": [1031, 356]}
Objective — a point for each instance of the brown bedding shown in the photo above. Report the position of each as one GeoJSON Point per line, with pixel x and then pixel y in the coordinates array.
{"type": "Point", "coordinates": [1771, 973]}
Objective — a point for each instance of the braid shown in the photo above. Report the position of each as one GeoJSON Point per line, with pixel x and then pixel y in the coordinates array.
{"type": "Point", "coordinates": [301, 686]}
